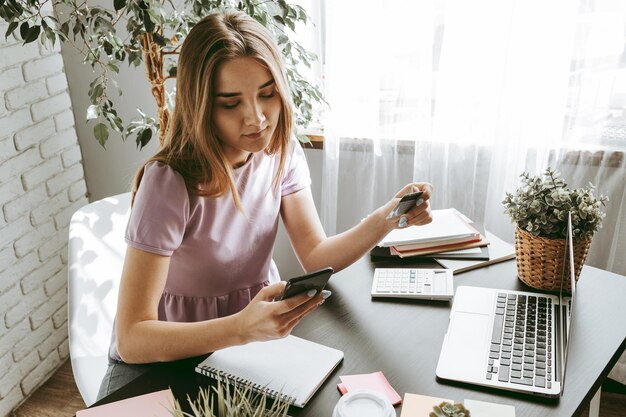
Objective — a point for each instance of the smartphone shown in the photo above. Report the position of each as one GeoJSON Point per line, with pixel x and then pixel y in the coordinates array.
{"type": "Point", "coordinates": [315, 280]}
{"type": "Point", "coordinates": [405, 204]}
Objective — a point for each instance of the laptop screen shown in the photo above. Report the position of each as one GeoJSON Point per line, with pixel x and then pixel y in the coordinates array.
{"type": "Point", "coordinates": [568, 273]}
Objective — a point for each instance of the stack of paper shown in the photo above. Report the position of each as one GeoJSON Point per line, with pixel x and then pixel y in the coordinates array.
{"type": "Point", "coordinates": [449, 231]}
{"type": "Point", "coordinates": [499, 251]}
{"type": "Point", "coordinates": [375, 381]}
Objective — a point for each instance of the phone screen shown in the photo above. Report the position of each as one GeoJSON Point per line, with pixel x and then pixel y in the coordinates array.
{"type": "Point", "coordinates": [315, 280]}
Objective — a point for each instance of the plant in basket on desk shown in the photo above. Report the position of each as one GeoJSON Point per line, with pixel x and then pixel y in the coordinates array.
{"type": "Point", "coordinates": [539, 209]}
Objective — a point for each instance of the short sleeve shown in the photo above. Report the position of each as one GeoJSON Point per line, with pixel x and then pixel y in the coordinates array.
{"type": "Point", "coordinates": [296, 175]}
{"type": "Point", "coordinates": [160, 211]}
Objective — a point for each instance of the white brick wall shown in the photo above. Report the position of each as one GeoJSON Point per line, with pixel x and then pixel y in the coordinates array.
{"type": "Point", "coordinates": [41, 185]}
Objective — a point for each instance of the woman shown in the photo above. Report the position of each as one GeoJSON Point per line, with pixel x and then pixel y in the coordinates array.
{"type": "Point", "coordinates": [198, 274]}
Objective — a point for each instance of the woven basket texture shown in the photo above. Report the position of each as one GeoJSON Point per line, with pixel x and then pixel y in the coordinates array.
{"type": "Point", "coordinates": [540, 260]}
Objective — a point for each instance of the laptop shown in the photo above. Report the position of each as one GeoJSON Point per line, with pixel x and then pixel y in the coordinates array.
{"type": "Point", "coordinates": [511, 340]}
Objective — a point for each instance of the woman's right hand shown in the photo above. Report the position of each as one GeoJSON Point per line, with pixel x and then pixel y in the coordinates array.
{"type": "Point", "coordinates": [266, 319]}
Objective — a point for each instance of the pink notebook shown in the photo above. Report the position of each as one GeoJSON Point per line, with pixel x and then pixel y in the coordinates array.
{"type": "Point", "coordinates": [420, 405]}
{"type": "Point", "coordinates": [375, 381]}
{"type": "Point", "coordinates": [155, 404]}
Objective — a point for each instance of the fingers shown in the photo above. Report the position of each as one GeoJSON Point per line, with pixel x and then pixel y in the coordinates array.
{"type": "Point", "coordinates": [300, 300]}
{"type": "Point", "coordinates": [420, 214]}
{"type": "Point", "coordinates": [409, 188]}
{"type": "Point", "coordinates": [270, 292]}
{"type": "Point", "coordinates": [286, 321]}
{"type": "Point", "coordinates": [417, 216]}
{"type": "Point", "coordinates": [293, 317]}
{"type": "Point", "coordinates": [425, 187]}
{"type": "Point", "coordinates": [423, 218]}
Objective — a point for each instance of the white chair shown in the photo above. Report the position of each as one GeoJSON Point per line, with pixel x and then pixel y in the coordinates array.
{"type": "Point", "coordinates": [95, 259]}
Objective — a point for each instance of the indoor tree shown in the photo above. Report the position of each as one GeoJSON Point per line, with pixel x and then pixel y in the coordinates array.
{"type": "Point", "coordinates": [150, 32]}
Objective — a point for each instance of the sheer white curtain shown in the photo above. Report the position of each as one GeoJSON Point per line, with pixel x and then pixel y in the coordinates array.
{"type": "Point", "coordinates": [467, 95]}
{"type": "Point", "coordinates": [378, 81]}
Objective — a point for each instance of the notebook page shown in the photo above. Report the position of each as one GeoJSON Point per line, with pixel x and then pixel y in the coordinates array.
{"type": "Point", "coordinates": [419, 405]}
{"type": "Point", "coordinates": [293, 366]}
{"type": "Point", "coordinates": [446, 224]}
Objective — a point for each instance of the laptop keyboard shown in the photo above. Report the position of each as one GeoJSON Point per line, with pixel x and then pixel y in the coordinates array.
{"type": "Point", "coordinates": [521, 346]}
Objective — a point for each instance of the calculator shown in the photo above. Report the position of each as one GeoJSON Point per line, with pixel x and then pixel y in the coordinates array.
{"type": "Point", "coordinates": [417, 283]}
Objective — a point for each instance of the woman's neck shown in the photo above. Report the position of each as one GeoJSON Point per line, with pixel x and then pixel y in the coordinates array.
{"type": "Point", "coordinates": [242, 163]}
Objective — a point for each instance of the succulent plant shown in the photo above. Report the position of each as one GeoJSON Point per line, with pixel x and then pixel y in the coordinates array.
{"type": "Point", "coordinates": [236, 401]}
{"type": "Point", "coordinates": [446, 409]}
{"type": "Point", "coordinates": [540, 206]}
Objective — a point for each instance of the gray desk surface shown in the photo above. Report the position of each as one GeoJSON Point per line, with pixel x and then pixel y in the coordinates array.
{"type": "Point", "coordinates": [402, 338]}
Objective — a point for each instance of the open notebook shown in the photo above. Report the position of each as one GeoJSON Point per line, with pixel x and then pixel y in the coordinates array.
{"type": "Point", "coordinates": [292, 368]}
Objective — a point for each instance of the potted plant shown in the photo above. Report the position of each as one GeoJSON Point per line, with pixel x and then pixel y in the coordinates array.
{"type": "Point", "coordinates": [446, 409]}
{"type": "Point", "coordinates": [539, 209]}
{"type": "Point", "coordinates": [237, 401]}
{"type": "Point", "coordinates": [151, 32]}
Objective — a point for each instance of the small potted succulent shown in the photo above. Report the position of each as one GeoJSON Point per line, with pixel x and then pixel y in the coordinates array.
{"type": "Point", "coordinates": [539, 209]}
{"type": "Point", "coordinates": [446, 409]}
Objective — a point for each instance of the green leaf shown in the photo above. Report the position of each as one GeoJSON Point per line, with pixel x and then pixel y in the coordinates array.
{"type": "Point", "coordinates": [92, 112]}
{"type": "Point", "coordinates": [101, 132]}
{"type": "Point", "coordinates": [6, 14]}
{"type": "Point", "coordinates": [96, 93]}
{"type": "Point", "coordinates": [108, 48]}
{"type": "Point", "coordinates": [116, 41]}
{"type": "Point", "coordinates": [160, 40]}
{"type": "Point", "coordinates": [119, 4]}
{"type": "Point", "coordinates": [116, 85]}
{"type": "Point", "coordinates": [143, 138]}
{"type": "Point", "coordinates": [147, 23]}
{"type": "Point", "coordinates": [32, 34]}
{"type": "Point", "coordinates": [16, 7]}
{"type": "Point", "coordinates": [155, 16]}
{"type": "Point", "coordinates": [113, 67]}
{"type": "Point", "coordinates": [12, 27]}
{"type": "Point", "coordinates": [24, 28]}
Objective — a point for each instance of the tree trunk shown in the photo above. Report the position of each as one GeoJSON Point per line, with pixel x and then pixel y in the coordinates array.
{"type": "Point", "coordinates": [153, 57]}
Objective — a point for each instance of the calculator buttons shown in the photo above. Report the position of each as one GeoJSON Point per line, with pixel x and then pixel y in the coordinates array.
{"type": "Point", "coordinates": [412, 283]}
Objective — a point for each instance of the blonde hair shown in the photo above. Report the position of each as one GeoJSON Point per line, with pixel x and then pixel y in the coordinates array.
{"type": "Point", "coordinates": [191, 146]}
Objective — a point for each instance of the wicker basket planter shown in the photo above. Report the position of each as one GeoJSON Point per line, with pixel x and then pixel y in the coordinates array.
{"type": "Point", "coordinates": [540, 260]}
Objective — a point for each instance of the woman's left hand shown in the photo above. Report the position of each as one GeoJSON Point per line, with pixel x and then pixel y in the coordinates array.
{"type": "Point", "coordinates": [416, 216]}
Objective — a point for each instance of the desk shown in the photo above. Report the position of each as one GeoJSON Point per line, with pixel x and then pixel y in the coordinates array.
{"type": "Point", "coordinates": [402, 338]}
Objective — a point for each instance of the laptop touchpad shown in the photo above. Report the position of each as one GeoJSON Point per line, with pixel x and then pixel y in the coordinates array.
{"type": "Point", "coordinates": [464, 353]}
{"type": "Point", "coordinates": [469, 329]}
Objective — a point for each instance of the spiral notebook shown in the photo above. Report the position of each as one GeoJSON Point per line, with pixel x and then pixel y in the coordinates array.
{"type": "Point", "coordinates": [291, 368]}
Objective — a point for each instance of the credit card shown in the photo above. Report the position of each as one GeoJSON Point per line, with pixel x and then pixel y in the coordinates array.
{"type": "Point", "coordinates": [405, 204]}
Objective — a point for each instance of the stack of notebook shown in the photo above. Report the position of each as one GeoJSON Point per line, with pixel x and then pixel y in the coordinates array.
{"type": "Point", "coordinates": [450, 235]}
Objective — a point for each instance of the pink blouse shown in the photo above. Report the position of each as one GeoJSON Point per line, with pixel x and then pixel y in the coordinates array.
{"type": "Point", "coordinates": [220, 257]}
